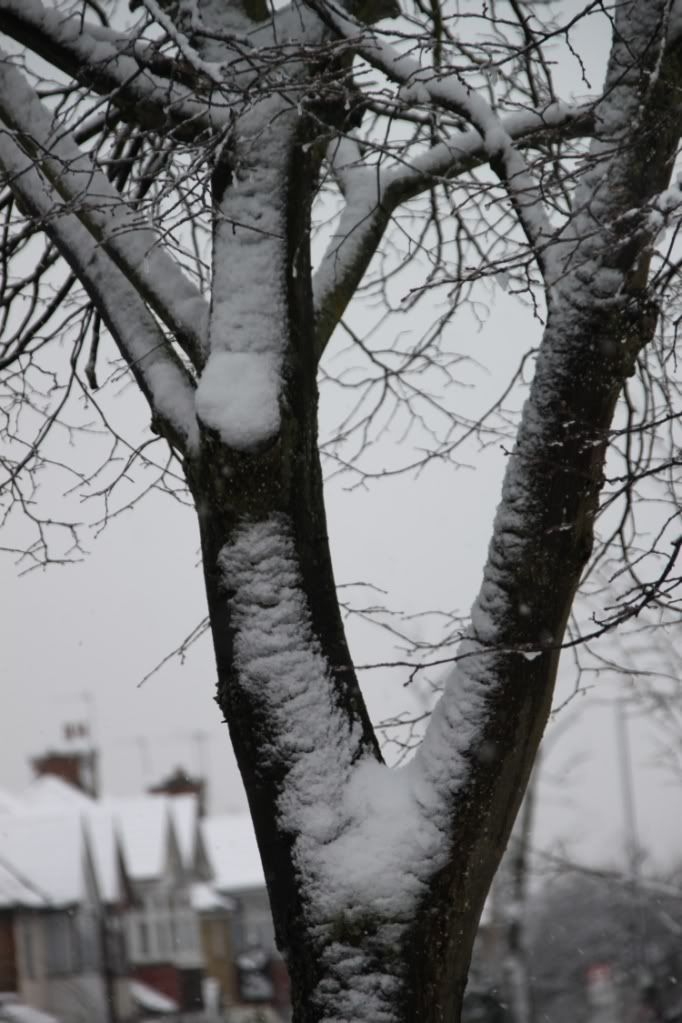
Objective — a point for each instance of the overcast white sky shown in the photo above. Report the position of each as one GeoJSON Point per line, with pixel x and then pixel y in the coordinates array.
{"type": "Point", "coordinates": [77, 640]}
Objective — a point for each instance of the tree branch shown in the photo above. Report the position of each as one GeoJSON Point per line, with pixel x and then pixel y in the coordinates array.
{"type": "Point", "coordinates": [160, 374]}
{"type": "Point", "coordinates": [114, 66]}
{"type": "Point", "coordinates": [126, 235]}
{"type": "Point", "coordinates": [480, 744]}
{"type": "Point", "coordinates": [373, 194]}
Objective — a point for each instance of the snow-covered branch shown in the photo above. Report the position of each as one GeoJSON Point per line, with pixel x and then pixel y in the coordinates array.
{"type": "Point", "coordinates": [598, 321]}
{"type": "Point", "coordinates": [114, 65]}
{"type": "Point", "coordinates": [240, 388]}
{"type": "Point", "coordinates": [123, 233]}
{"type": "Point", "coordinates": [372, 194]}
{"type": "Point", "coordinates": [183, 44]}
{"type": "Point", "coordinates": [163, 379]}
{"type": "Point", "coordinates": [361, 225]}
{"type": "Point", "coordinates": [429, 85]}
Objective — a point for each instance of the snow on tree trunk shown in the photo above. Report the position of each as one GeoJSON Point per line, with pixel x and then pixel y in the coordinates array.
{"type": "Point", "coordinates": [377, 877]}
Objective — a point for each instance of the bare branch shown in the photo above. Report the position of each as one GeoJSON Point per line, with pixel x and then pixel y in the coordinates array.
{"type": "Point", "coordinates": [131, 241]}
{"type": "Point", "coordinates": [113, 66]}
{"type": "Point", "coordinates": [161, 376]}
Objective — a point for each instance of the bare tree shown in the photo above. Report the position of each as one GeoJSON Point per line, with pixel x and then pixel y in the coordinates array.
{"type": "Point", "coordinates": [162, 175]}
{"type": "Point", "coordinates": [583, 920]}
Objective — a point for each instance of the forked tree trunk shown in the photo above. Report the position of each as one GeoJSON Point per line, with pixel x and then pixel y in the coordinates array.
{"type": "Point", "coordinates": [286, 684]}
{"type": "Point", "coordinates": [263, 528]}
{"type": "Point", "coordinates": [376, 878]}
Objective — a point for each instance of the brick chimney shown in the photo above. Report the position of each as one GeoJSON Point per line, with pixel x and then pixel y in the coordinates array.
{"type": "Point", "coordinates": [180, 783]}
{"type": "Point", "coordinates": [75, 761]}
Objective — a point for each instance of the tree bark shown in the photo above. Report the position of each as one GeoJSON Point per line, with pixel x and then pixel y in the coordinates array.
{"type": "Point", "coordinates": [286, 683]}
{"type": "Point", "coordinates": [541, 544]}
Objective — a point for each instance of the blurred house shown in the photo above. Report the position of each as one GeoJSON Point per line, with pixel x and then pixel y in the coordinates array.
{"type": "Point", "coordinates": [119, 909]}
{"type": "Point", "coordinates": [237, 872]}
{"type": "Point", "coordinates": [56, 915]}
{"type": "Point", "coordinates": [163, 943]}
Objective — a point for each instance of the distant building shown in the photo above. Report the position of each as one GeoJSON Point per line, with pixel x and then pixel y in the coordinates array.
{"type": "Point", "coordinates": [56, 914]}
{"type": "Point", "coordinates": [117, 909]}
{"type": "Point", "coordinates": [74, 761]}
{"type": "Point", "coordinates": [180, 783]}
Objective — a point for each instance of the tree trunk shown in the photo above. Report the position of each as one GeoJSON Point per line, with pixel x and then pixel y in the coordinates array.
{"type": "Point", "coordinates": [286, 684]}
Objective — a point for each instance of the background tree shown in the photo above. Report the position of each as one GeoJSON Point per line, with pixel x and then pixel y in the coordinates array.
{"type": "Point", "coordinates": [162, 178]}
{"type": "Point", "coordinates": [582, 920]}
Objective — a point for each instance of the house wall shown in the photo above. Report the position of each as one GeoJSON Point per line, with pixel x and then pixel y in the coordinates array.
{"type": "Point", "coordinates": [218, 953]}
{"type": "Point", "coordinates": [31, 959]}
{"type": "Point", "coordinates": [61, 985]}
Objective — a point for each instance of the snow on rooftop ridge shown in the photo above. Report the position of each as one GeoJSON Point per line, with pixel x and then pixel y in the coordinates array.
{"type": "Point", "coordinates": [48, 792]}
{"type": "Point", "coordinates": [100, 829]}
{"type": "Point", "coordinates": [232, 852]}
{"type": "Point", "coordinates": [142, 824]}
{"type": "Point", "coordinates": [184, 811]}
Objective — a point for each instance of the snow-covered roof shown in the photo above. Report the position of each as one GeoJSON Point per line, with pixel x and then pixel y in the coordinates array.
{"type": "Point", "coordinates": [233, 853]}
{"type": "Point", "coordinates": [17, 891]}
{"type": "Point", "coordinates": [206, 897]}
{"type": "Point", "coordinates": [49, 795]}
{"type": "Point", "coordinates": [136, 827]}
{"type": "Point", "coordinates": [100, 828]}
{"type": "Point", "coordinates": [184, 811]}
{"type": "Point", "coordinates": [142, 824]}
{"type": "Point", "coordinates": [53, 793]}
{"type": "Point", "coordinates": [48, 852]}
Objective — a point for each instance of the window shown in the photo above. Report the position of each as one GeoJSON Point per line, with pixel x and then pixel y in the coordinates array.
{"type": "Point", "coordinates": [61, 940]}
{"type": "Point", "coordinates": [143, 943]}
{"type": "Point", "coordinates": [188, 931]}
{"type": "Point", "coordinates": [163, 938]}
{"type": "Point", "coordinates": [88, 927]}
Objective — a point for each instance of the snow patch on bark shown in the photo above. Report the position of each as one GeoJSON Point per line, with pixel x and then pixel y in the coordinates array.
{"type": "Point", "coordinates": [386, 848]}
{"type": "Point", "coordinates": [280, 664]}
{"type": "Point", "coordinates": [367, 838]}
{"type": "Point", "coordinates": [238, 397]}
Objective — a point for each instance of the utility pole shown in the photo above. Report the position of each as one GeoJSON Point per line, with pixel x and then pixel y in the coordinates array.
{"type": "Point", "coordinates": [645, 983]}
{"type": "Point", "coordinates": [632, 849]}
